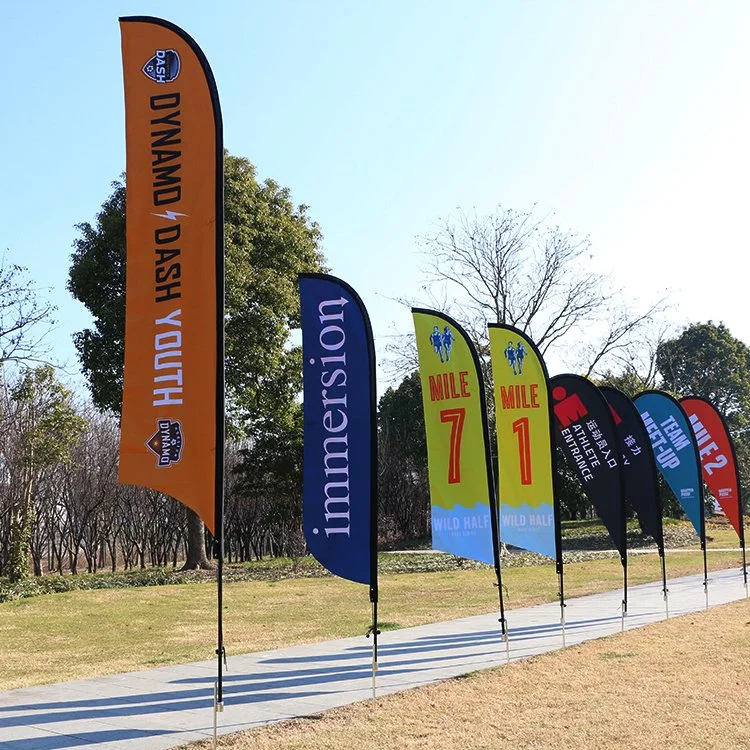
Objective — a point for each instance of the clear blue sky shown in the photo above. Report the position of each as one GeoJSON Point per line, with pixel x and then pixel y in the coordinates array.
{"type": "Point", "coordinates": [629, 120]}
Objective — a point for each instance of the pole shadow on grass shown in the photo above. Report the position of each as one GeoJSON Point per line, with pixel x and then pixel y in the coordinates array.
{"type": "Point", "coordinates": [241, 690]}
{"type": "Point", "coordinates": [440, 642]}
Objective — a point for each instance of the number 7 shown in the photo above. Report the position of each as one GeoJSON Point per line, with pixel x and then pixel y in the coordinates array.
{"type": "Point", "coordinates": [456, 418]}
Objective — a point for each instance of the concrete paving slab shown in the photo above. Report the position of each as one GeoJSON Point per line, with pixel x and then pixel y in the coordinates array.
{"type": "Point", "coordinates": [169, 706]}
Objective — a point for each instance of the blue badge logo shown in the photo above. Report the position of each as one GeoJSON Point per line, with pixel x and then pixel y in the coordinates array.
{"type": "Point", "coordinates": [163, 67]}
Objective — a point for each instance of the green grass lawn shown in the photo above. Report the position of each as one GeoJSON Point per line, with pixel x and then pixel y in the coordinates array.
{"type": "Point", "coordinates": [81, 634]}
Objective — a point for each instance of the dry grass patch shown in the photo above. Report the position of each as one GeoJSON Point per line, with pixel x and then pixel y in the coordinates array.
{"type": "Point", "coordinates": [82, 634]}
{"type": "Point", "coordinates": [678, 684]}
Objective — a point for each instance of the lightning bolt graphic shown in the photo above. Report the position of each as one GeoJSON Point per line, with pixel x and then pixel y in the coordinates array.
{"type": "Point", "coordinates": [171, 215]}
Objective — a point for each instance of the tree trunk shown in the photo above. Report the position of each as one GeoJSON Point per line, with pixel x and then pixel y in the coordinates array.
{"type": "Point", "coordinates": [20, 533]}
{"type": "Point", "coordinates": [196, 545]}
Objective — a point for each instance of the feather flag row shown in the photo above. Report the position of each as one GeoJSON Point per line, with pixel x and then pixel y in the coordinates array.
{"type": "Point", "coordinates": [173, 415]}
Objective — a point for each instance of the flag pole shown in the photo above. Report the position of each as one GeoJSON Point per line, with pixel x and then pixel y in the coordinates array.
{"type": "Point", "coordinates": [705, 568]}
{"type": "Point", "coordinates": [221, 654]}
{"type": "Point", "coordinates": [703, 528]}
{"type": "Point", "coordinates": [624, 559]}
{"type": "Point", "coordinates": [624, 553]}
{"type": "Point", "coordinates": [665, 590]}
{"type": "Point", "coordinates": [373, 502]}
{"type": "Point", "coordinates": [559, 566]}
{"type": "Point", "coordinates": [562, 604]}
{"type": "Point", "coordinates": [558, 540]}
{"type": "Point", "coordinates": [375, 633]}
{"type": "Point", "coordinates": [503, 623]}
{"type": "Point", "coordinates": [494, 523]}
{"type": "Point", "coordinates": [494, 488]}
{"type": "Point", "coordinates": [741, 518]}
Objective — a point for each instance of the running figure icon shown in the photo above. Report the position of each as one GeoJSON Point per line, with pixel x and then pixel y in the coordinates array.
{"type": "Point", "coordinates": [436, 340]}
{"type": "Point", "coordinates": [448, 339]}
{"type": "Point", "coordinates": [510, 355]}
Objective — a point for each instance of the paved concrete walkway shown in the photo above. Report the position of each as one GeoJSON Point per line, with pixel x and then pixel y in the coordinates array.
{"type": "Point", "coordinates": [163, 708]}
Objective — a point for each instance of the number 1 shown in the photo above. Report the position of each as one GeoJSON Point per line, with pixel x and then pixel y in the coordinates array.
{"type": "Point", "coordinates": [521, 428]}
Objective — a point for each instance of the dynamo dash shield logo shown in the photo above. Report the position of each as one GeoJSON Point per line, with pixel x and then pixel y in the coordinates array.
{"type": "Point", "coordinates": [163, 67]}
{"type": "Point", "coordinates": [166, 442]}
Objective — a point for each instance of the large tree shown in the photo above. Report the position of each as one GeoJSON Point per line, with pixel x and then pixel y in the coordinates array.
{"type": "Point", "coordinates": [268, 242]}
{"type": "Point", "coordinates": [707, 360]}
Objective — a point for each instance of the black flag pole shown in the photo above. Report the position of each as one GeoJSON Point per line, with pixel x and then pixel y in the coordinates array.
{"type": "Point", "coordinates": [705, 565]}
{"type": "Point", "coordinates": [703, 538]}
{"type": "Point", "coordinates": [742, 531]}
{"type": "Point", "coordinates": [373, 505]}
{"type": "Point", "coordinates": [221, 654]}
{"type": "Point", "coordinates": [375, 633]}
{"type": "Point", "coordinates": [624, 560]}
{"type": "Point", "coordinates": [559, 568]}
{"type": "Point", "coordinates": [660, 547]}
{"type": "Point", "coordinates": [499, 573]}
{"type": "Point", "coordinates": [703, 525]}
{"type": "Point", "coordinates": [494, 523]}
{"type": "Point", "coordinates": [665, 590]}
{"type": "Point", "coordinates": [705, 570]}
{"type": "Point", "coordinates": [624, 555]}
{"type": "Point", "coordinates": [373, 629]}
{"type": "Point", "coordinates": [741, 518]}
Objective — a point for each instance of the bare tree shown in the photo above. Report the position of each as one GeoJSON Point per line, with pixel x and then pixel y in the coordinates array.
{"type": "Point", "coordinates": [515, 268]}
{"type": "Point", "coordinates": [25, 318]}
{"type": "Point", "coordinates": [39, 430]}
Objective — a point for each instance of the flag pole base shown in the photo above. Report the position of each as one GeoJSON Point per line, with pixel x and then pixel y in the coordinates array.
{"type": "Point", "coordinates": [705, 586]}
{"type": "Point", "coordinates": [373, 630]}
{"type": "Point", "coordinates": [562, 623]}
{"type": "Point", "coordinates": [218, 708]}
{"type": "Point", "coordinates": [507, 642]}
